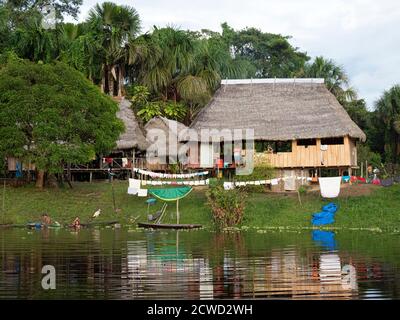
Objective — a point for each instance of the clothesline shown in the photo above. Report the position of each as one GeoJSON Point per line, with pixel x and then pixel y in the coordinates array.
{"type": "Point", "coordinates": [169, 175]}
{"type": "Point", "coordinates": [135, 185]}
{"type": "Point", "coordinates": [273, 182]}
{"type": "Point", "coordinates": [185, 183]}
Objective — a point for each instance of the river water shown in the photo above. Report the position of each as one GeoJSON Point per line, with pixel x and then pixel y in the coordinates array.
{"type": "Point", "coordinates": [141, 264]}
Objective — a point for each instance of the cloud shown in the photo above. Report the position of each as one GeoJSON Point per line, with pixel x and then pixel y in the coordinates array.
{"type": "Point", "coordinates": [361, 35]}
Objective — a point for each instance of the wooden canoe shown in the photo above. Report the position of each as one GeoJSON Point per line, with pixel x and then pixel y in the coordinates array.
{"type": "Point", "coordinates": [169, 226]}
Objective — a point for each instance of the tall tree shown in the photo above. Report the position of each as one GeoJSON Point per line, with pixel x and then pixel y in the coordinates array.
{"type": "Point", "coordinates": [271, 54]}
{"type": "Point", "coordinates": [50, 115]}
{"type": "Point", "coordinates": [114, 27]}
{"type": "Point", "coordinates": [388, 114]}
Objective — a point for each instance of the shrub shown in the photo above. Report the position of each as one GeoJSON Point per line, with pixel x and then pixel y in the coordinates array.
{"type": "Point", "coordinates": [227, 205]}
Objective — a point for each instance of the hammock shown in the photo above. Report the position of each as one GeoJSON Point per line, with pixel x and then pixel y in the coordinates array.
{"type": "Point", "coordinates": [170, 194]}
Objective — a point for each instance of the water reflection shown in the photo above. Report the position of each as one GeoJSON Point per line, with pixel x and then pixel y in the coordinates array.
{"type": "Point", "coordinates": [118, 264]}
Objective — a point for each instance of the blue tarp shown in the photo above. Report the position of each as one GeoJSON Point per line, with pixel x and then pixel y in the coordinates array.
{"type": "Point", "coordinates": [325, 239]}
{"type": "Point", "coordinates": [326, 216]}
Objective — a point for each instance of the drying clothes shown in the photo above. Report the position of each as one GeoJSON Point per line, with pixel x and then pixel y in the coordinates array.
{"type": "Point", "coordinates": [107, 160]}
{"type": "Point", "coordinates": [18, 168]}
{"type": "Point", "coordinates": [134, 183]}
{"type": "Point", "coordinates": [330, 187]}
{"type": "Point", "coordinates": [132, 191]}
{"type": "Point", "coordinates": [142, 192]}
{"type": "Point", "coordinates": [274, 182]}
{"type": "Point", "coordinates": [346, 178]}
{"type": "Point", "coordinates": [229, 186]}
{"type": "Point", "coordinates": [124, 162]}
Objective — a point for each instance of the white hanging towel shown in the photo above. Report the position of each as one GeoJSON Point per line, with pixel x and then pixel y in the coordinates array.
{"type": "Point", "coordinates": [132, 191]}
{"type": "Point", "coordinates": [330, 187]}
{"type": "Point", "coordinates": [142, 193]}
{"type": "Point", "coordinates": [228, 186]}
{"type": "Point", "coordinates": [274, 182]}
{"type": "Point", "coordinates": [134, 183]}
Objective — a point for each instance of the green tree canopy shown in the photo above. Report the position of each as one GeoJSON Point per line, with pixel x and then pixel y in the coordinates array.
{"type": "Point", "coordinates": [271, 54]}
{"type": "Point", "coordinates": [388, 117]}
{"type": "Point", "coordinates": [51, 114]}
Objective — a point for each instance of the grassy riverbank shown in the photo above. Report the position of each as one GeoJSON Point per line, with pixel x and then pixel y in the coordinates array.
{"type": "Point", "coordinates": [377, 210]}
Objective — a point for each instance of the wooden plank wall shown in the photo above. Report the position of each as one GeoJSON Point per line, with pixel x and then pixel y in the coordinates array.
{"type": "Point", "coordinates": [335, 156]}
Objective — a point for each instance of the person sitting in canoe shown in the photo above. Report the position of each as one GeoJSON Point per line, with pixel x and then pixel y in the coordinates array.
{"type": "Point", "coordinates": [76, 223]}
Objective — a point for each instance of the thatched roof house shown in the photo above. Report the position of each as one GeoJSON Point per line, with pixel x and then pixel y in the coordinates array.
{"type": "Point", "coordinates": [171, 128]}
{"type": "Point", "coordinates": [297, 123]}
{"type": "Point", "coordinates": [278, 109]}
{"type": "Point", "coordinates": [133, 137]}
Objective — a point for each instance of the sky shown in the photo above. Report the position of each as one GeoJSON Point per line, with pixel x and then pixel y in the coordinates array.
{"type": "Point", "coordinates": [360, 35]}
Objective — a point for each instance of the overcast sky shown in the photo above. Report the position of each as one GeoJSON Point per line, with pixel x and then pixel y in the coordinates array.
{"type": "Point", "coordinates": [361, 35]}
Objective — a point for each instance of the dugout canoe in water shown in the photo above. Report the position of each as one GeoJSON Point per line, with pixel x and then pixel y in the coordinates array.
{"type": "Point", "coordinates": [169, 226]}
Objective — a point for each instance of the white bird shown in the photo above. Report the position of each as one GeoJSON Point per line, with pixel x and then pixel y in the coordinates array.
{"type": "Point", "coordinates": [97, 213]}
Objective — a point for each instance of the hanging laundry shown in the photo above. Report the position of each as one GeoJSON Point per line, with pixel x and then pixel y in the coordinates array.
{"type": "Point", "coordinates": [18, 168]}
{"type": "Point", "coordinates": [124, 162]}
{"type": "Point", "coordinates": [330, 187]}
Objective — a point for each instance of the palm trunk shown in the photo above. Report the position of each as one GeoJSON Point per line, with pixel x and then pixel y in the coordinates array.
{"type": "Point", "coordinates": [110, 82]}
{"type": "Point", "coordinates": [121, 77]}
{"type": "Point", "coordinates": [103, 79]}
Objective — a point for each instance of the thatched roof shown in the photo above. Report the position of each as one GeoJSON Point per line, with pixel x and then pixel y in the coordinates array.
{"type": "Point", "coordinates": [133, 137]}
{"type": "Point", "coordinates": [170, 127]}
{"type": "Point", "coordinates": [278, 109]}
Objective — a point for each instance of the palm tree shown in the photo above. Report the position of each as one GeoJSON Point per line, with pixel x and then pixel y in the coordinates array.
{"type": "Point", "coordinates": [80, 49]}
{"type": "Point", "coordinates": [335, 77]}
{"type": "Point", "coordinates": [33, 42]}
{"type": "Point", "coordinates": [388, 111]}
{"type": "Point", "coordinates": [114, 27]}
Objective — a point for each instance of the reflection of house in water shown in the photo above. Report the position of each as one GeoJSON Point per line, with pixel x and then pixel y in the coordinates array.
{"type": "Point", "coordinates": [167, 272]}
{"type": "Point", "coordinates": [287, 274]}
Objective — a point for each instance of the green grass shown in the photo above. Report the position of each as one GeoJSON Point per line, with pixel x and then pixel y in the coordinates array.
{"type": "Point", "coordinates": [379, 211]}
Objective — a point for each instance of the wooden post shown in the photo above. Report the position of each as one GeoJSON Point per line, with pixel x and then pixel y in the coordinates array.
{"type": "Point", "coordinates": [90, 176]}
{"type": "Point", "coordinates": [177, 211]}
{"type": "Point", "coordinates": [362, 169]}
{"type": "Point", "coordinates": [3, 207]}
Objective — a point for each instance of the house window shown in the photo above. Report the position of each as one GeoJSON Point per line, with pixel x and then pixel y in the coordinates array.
{"type": "Point", "coordinates": [331, 141]}
{"type": "Point", "coordinates": [307, 142]}
{"type": "Point", "coordinates": [273, 146]}
{"type": "Point", "coordinates": [284, 146]}
{"type": "Point", "coordinates": [263, 146]}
